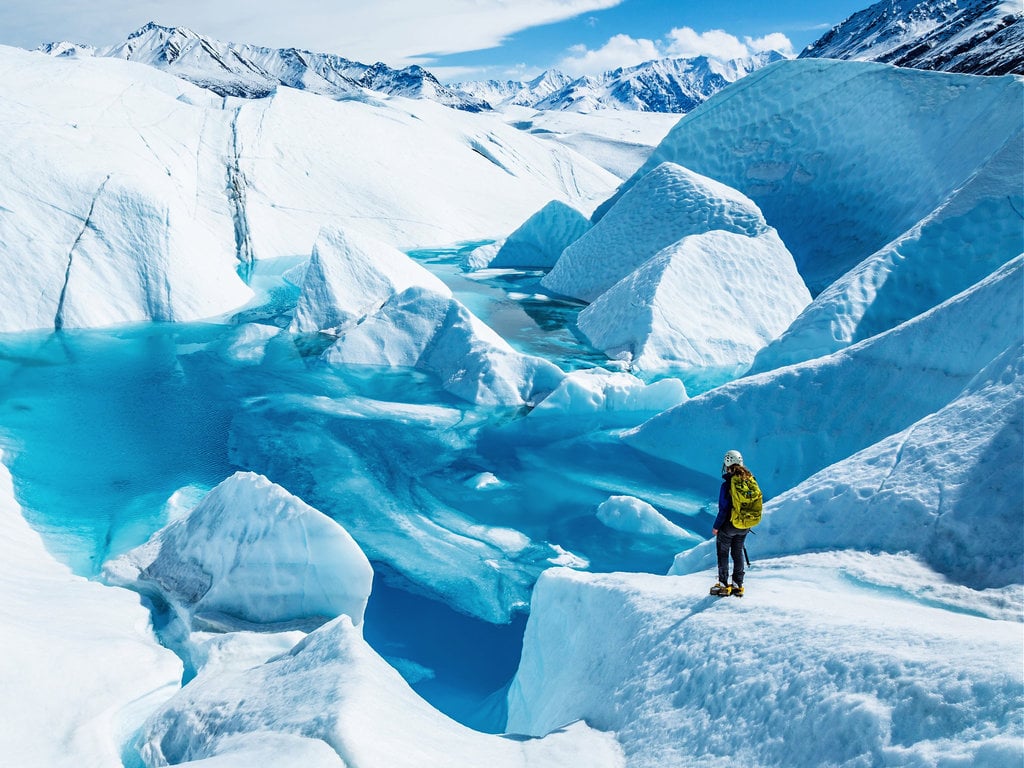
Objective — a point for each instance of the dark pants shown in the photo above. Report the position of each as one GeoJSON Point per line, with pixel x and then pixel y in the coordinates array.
{"type": "Point", "coordinates": [730, 542]}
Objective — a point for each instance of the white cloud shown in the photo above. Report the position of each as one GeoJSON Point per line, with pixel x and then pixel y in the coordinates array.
{"type": "Point", "coordinates": [776, 41]}
{"type": "Point", "coordinates": [397, 32]}
{"type": "Point", "coordinates": [619, 51]}
{"type": "Point", "coordinates": [715, 43]}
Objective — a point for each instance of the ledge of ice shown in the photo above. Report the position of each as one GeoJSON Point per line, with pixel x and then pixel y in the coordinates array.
{"type": "Point", "coordinates": [668, 204]}
{"type": "Point", "coordinates": [82, 667]}
{"type": "Point", "coordinates": [838, 644]}
{"type": "Point", "coordinates": [250, 554]}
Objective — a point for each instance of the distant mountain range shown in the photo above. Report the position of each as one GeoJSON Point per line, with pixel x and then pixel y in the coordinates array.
{"type": "Point", "coordinates": [978, 37]}
{"type": "Point", "coordinates": [250, 71]}
{"type": "Point", "coordinates": [664, 85]}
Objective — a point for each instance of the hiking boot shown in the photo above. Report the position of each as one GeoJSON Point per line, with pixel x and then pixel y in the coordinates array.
{"type": "Point", "coordinates": [721, 589]}
{"type": "Point", "coordinates": [737, 590]}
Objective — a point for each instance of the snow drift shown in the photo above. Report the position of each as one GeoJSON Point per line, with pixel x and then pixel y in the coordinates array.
{"type": "Point", "coordinates": [251, 555]}
{"type": "Point", "coordinates": [843, 157]}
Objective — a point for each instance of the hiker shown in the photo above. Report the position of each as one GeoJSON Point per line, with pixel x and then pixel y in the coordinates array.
{"type": "Point", "coordinates": [731, 525]}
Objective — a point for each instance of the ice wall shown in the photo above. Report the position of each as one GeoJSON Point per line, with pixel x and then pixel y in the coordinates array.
{"type": "Point", "coordinates": [843, 157]}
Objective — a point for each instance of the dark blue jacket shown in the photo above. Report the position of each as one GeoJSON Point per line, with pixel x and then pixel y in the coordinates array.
{"type": "Point", "coordinates": [724, 505]}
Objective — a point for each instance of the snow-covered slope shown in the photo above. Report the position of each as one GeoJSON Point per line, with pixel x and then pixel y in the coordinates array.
{"type": "Point", "coordinates": [82, 668]}
{"type": "Point", "coordinates": [802, 418]}
{"type": "Point", "coordinates": [977, 37]}
{"type": "Point", "coordinates": [250, 71]}
{"type": "Point", "coordinates": [844, 157]}
{"type": "Point", "coordinates": [138, 194]}
{"type": "Point", "coordinates": [664, 85]}
{"type": "Point", "coordinates": [839, 659]}
{"type": "Point", "coordinates": [333, 688]}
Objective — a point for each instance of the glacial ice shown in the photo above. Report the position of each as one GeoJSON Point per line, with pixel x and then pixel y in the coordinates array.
{"type": "Point", "coordinates": [702, 307]}
{"type": "Point", "coordinates": [333, 687]}
{"type": "Point", "coordinates": [668, 204]}
{"type": "Point", "coordinates": [349, 276]}
{"type": "Point", "coordinates": [945, 489]}
{"type": "Point", "coordinates": [979, 227]}
{"type": "Point", "coordinates": [538, 242]}
{"type": "Point", "coordinates": [632, 515]}
{"type": "Point", "coordinates": [797, 420]}
{"type": "Point", "coordinates": [250, 555]}
{"type": "Point", "coordinates": [82, 668]}
{"type": "Point", "coordinates": [110, 161]}
{"type": "Point", "coordinates": [840, 659]}
{"type": "Point", "coordinates": [843, 157]}
{"type": "Point", "coordinates": [429, 330]}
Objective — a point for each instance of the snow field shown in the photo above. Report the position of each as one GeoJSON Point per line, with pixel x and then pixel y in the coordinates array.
{"type": "Point", "coordinates": [812, 667]}
{"type": "Point", "coordinates": [841, 157]}
{"type": "Point", "coordinates": [82, 668]}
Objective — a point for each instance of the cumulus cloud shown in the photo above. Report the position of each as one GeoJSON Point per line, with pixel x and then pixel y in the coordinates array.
{"type": "Point", "coordinates": [619, 51]}
{"type": "Point", "coordinates": [682, 42]}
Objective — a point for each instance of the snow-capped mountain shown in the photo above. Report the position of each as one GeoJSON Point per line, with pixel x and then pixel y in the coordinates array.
{"type": "Point", "coordinates": [979, 37]}
{"type": "Point", "coordinates": [671, 85]}
{"type": "Point", "coordinates": [250, 71]}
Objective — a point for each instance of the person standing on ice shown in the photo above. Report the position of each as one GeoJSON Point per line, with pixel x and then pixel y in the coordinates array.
{"type": "Point", "coordinates": [739, 510]}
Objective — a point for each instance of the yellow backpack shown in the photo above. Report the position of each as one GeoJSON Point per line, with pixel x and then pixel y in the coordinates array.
{"type": "Point", "coordinates": [746, 501]}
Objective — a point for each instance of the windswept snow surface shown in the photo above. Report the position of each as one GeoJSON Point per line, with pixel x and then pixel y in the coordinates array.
{"type": "Point", "coordinates": [702, 307]}
{"type": "Point", "coordinates": [335, 688]}
{"type": "Point", "coordinates": [946, 489]}
{"type": "Point", "coordinates": [834, 659]}
{"type": "Point", "coordinates": [250, 555]}
{"type": "Point", "coordinates": [138, 195]}
{"type": "Point", "coordinates": [843, 157]}
{"type": "Point", "coordinates": [82, 668]}
{"type": "Point", "coordinates": [802, 418]}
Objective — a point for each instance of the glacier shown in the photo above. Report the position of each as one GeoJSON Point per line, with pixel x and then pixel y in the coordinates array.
{"type": "Point", "coordinates": [375, 507]}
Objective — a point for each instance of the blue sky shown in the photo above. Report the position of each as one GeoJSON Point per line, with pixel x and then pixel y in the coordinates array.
{"type": "Point", "coordinates": [457, 39]}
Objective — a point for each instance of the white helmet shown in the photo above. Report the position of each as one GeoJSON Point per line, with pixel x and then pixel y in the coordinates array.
{"type": "Point", "coordinates": [731, 457]}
